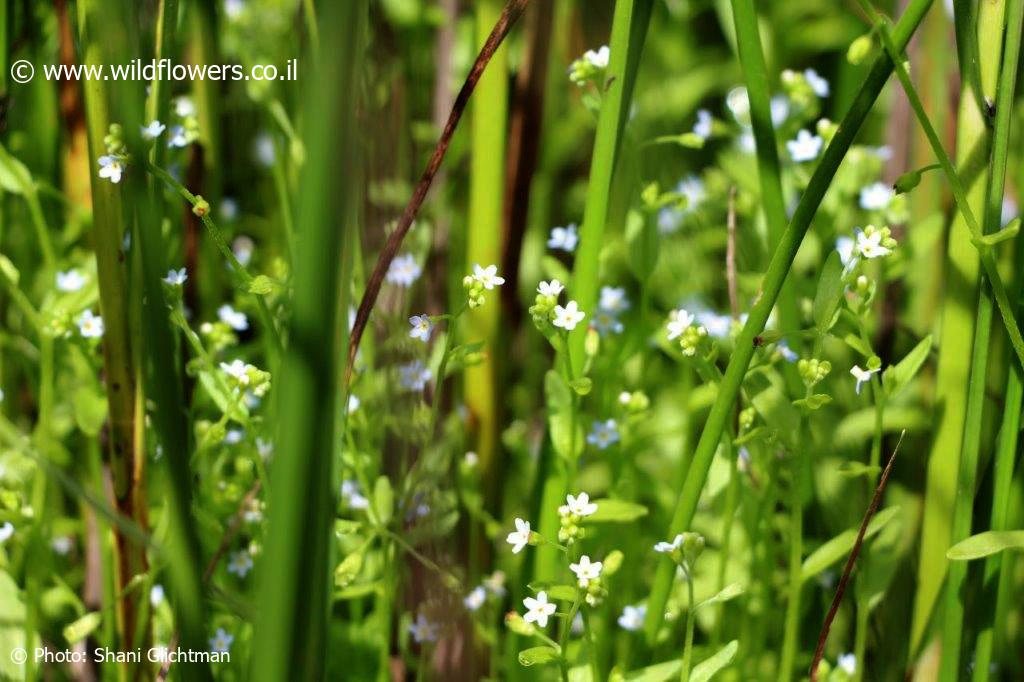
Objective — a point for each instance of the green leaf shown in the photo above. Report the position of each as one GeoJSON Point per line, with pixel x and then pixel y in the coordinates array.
{"type": "Point", "coordinates": [813, 402]}
{"type": "Point", "coordinates": [709, 667]}
{"type": "Point", "coordinates": [986, 544]}
{"type": "Point", "coordinates": [615, 511]}
{"type": "Point", "coordinates": [559, 402]}
{"type": "Point", "coordinates": [728, 592]}
{"type": "Point", "coordinates": [262, 285]}
{"type": "Point", "coordinates": [14, 175]}
{"type": "Point", "coordinates": [80, 629]}
{"type": "Point", "coordinates": [642, 239]}
{"type": "Point", "coordinates": [90, 408]}
{"type": "Point", "coordinates": [538, 655]}
{"type": "Point", "coordinates": [840, 546]}
{"type": "Point", "coordinates": [830, 293]}
{"type": "Point", "coordinates": [858, 344]}
{"type": "Point", "coordinates": [383, 500]}
{"type": "Point", "coordinates": [770, 400]}
{"type": "Point", "coordinates": [612, 563]}
{"type": "Point", "coordinates": [896, 378]}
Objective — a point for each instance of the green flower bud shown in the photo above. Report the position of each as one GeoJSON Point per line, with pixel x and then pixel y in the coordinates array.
{"type": "Point", "coordinates": [859, 49]}
{"type": "Point", "coordinates": [202, 207]}
{"type": "Point", "coordinates": [907, 181]}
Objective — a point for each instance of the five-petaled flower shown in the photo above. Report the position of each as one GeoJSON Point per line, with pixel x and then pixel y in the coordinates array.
{"type": "Point", "coordinates": [240, 563]}
{"type": "Point", "coordinates": [552, 288]}
{"type": "Point", "coordinates": [805, 147]}
{"type": "Point", "coordinates": [69, 281]}
{"type": "Point", "coordinates": [538, 610]}
{"type": "Point", "coordinates": [153, 130]}
{"type": "Point", "coordinates": [568, 317]}
{"type": "Point", "coordinates": [579, 505]}
{"type": "Point", "coordinates": [403, 271]}
{"type": "Point", "coordinates": [421, 327]}
{"type": "Point", "coordinates": [678, 322]}
{"type": "Point", "coordinates": [869, 244]}
{"type": "Point", "coordinates": [603, 434]}
{"type": "Point", "coordinates": [90, 326]}
{"type": "Point", "coordinates": [876, 196]}
{"type": "Point", "coordinates": [233, 318]}
{"type": "Point", "coordinates": [111, 168]}
{"type": "Point", "coordinates": [586, 570]}
{"type": "Point", "coordinates": [475, 599]}
{"type": "Point", "coordinates": [422, 630]}
{"type": "Point", "coordinates": [176, 278]}
{"type": "Point", "coordinates": [221, 641]}
{"type": "Point", "coordinates": [520, 537]}
{"type": "Point", "coordinates": [632, 617]}
{"type": "Point", "coordinates": [564, 238]}
{"type": "Point", "coordinates": [488, 276]}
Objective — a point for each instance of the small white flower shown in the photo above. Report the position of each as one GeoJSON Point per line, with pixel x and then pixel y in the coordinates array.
{"type": "Point", "coordinates": [233, 318]}
{"type": "Point", "coordinates": [233, 8]}
{"type": "Point", "coordinates": [520, 537]}
{"type": "Point", "coordinates": [176, 278]}
{"type": "Point", "coordinates": [228, 208]}
{"type": "Point", "coordinates": [818, 84]}
{"type": "Point", "coordinates": [586, 570]}
{"type": "Point", "coordinates": [568, 317]}
{"type": "Point", "coordinates": [243, 247]}
{"type": "Point", "coordinates": [421, 327]}
{"type": "Point", "coordinates": [845, 247]}
{"type": "Point", "coordinates": [870, 245]}
{"type": "Point", "coordinates": [552, 288]}
{"type": "Point", "coordinates": [153, 130]}
{"type": "Point", "coordinates": [779, 109]}
{"type": "Point", "coordinates": [240, 563]}
{"type": "Point", "coordinates": [564, 238]}
{"type": "Point", "coordinates": [90, 326]}
{"type": "Point", "coordinates": [178, 138]}
{"type": "Point", "coordinates": [717, 325]}
{"type": "Point", "coordinates": [265, 448]}
{"type": "Point", "coordinates": [111, 168]}
{"type": "Point", "coordinates": [422, 630]}
{"type": "Point", "coordinates": [538, 610]}
{"type": "Point", "coordinates": [62, 545]}
{"type": "Point", "coordinates": [805, 147]}
{"type": "Point", "coordinates": [221, 641]}
{"type": "Point", "coordinates": [579, 505]}
{"type": "Point", "coordinates": [6, 531]}
{"type": "Point", "coordinates": [495, 583]}
{"type": "Point", "coordinates": [598, 58]}
{"type": "Point", "coordinates": [738, 103]}
{"type": "Point", "coordinates": [403, 271]}
{"type": "Point", "coordinates": [475, 599]}
{"type": "Point", "coordinates": [603, 434]}
{"type": "Point", "coordinates": [702, 128]}
{"type": "Point", "coordinates": [488, 276]}
{"type": "Point", "coordinates": [414, 376]}
{"type": "Point", "coordinates": [606, 323]}
{"type": "Point", "coordinates": [69, 281]}
{"type": "Point", "coordinates": [613, 300]}
{"type": "Point", "coordinates": [353, 403]}
{"type": "Point", "coordinates": [632, 618]}
{"type": "Point", "coordinates": [668, 547]}
{"type": "Point", "coordinates": [876, 196]}
{"type": "Point", "coordinates": [156, 595]}
{"type": "Point", "coordinates": [184, 106]}
{"type": "Point", "coordinates": [353, 496]}
{"type": "Point", "coordinates": [862, 375]}
{"type": "Point", "coordinates": [471, 458]}
{"type": "Point", "coordinates": [234, 436]}
{"type": "Point", "coordinates": [264, 150]}
{"type": "Point", "coordinates": [678, 322]}
{"type": "Point", "coordinates": [788, 354]}
{"type": "Point", "coordinates": [238, 370]}
{"type": "Point", "coordinates": [848, 662]}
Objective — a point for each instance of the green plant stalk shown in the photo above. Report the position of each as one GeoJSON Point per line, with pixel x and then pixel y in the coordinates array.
{"type": "Point", "coordinates": [958, 322]}
{"type": "Point", "coordinates": [684, 669]}
{"type": "Point", "coordinates": [488, 122]}
{"type": "Point", "coordinates": [755, 73]}
{"type": "Point", "coordinates": [1006, 447]}
{"type": "Point", "coordinates": [629, 26]}
{"type": "Point", "coordinates": [781, 262]}
{"type": "Point", "coordinates": [108, 231]}
{"type": "Point", "coordinates": [629, 29]}
{"type": "Point", "coordinates": [294, 594]}
{"type": "Point", "coordinates": [956, 588]}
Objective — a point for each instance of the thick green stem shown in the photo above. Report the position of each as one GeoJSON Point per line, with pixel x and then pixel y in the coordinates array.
{"type": "Point", "coordinates": [779, 267]}
{"type": "Point", "coordinates": [955, 598]}
{"type": "Point", "coordinates": [295, 596]}
{"type": "Point", "coordinates": [1006, 448]}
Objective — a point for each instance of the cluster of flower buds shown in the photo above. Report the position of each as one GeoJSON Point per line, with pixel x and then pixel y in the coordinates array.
{"type": "Point", "coordinates": [813, 370]}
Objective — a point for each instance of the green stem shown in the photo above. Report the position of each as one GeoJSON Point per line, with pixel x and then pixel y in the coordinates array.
{"type": "Point", "coordinates": [781, 262]}
{"type": "Point", "coordinates": [755, 73]}
{"type": "Point", "coordinates": [1006, 448]}
{"type": "Point", "coordinates": [791, 626]}
{"type": "Point", "coordinates": [684, 670]}
{"type": "Point", "coordinates": [993, 12]}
